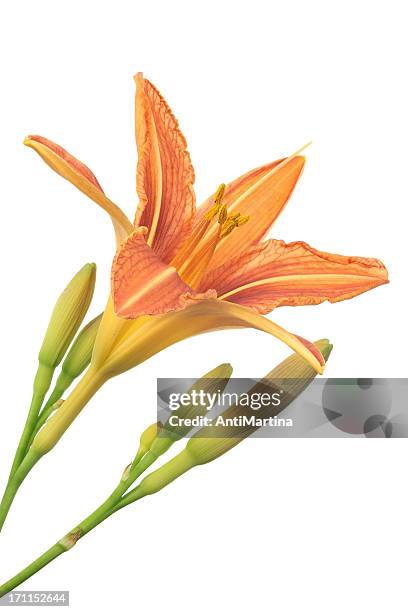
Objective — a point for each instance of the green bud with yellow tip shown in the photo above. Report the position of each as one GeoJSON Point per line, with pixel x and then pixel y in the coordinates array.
{"type": "Point", "coordinates": [146, 440]}
{"type": "Point", "coordinates": [79, 355]}
{"type": "Point", "coordinates": [78, 358]}
{"type": "Point", "coordinates": [66, 318]}
{"type": "Point", "coordinates": [294, 375]}
{"type": "Point", "coordinates": [159, 437]}
{"type": "Point", "coordinates": [163, 437]}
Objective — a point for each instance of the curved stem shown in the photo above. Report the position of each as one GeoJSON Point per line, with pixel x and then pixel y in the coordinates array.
{"type": "Point", "coordinates": [58, 424]}
{"type": "Point", "coordinates": [62, 384]}
{"type": "Point", "coordinates": [67, 542]}
{"type": "Point", "coordinates": [15, 482]}
{"type": "Point", "coordinates": [12, 484]}
{"type": "Point", "coordinates": [109, 507]}
{"type": "Point", "coordinates": [42, 383]}
{"type": "Point", "coordinates": [27, 431]}
{"type": "Point", "coordinates": [49, 435]}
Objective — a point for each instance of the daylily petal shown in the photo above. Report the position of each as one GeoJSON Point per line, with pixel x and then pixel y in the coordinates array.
{"type": "Point", "coordinates": [261, 194]}
{"type": "Point", "coordinates": [143, 284]}
{"type": "Point", "coordinates": [70, 168]}
{"type": "Point", "coordinates": [165, 176]}
{"type": "Point", "coordinates": [236, 188]}
{"type": "Point", "coordinates": [274, 274]}
{"type": "Point", "coordinates": [150, 335]}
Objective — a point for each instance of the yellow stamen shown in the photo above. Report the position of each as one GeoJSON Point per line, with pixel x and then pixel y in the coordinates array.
{"type": "Point", "coordinates": [214, 210]}
{"type": "Point", "coordinates": [234, 205]}
{"type": "Point", "coordinates": [232, 222]}
{"type": "Point", "coordinates": [190, 244]}
{"type": "Point", "coordinates": [242, 220]}
{"type": "Point", "coordinates": [187, 250]}
{"type": "Point", "coordinates": [227, 229]}
{"type": "Point", "coordinates": [194, 268]}
{"type": "Point", "coordinates": [222, 215]}
{"type": "Point", "coordinates": [219, 194]}
{"type": "Point", "coordinates": [194, 257]}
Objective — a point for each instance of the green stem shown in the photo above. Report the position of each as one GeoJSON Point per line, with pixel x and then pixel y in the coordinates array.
{"type": "Point", "coordinates": [27, 431]}
{"type": "Point", "coordinates": [111, 505]}
{"type": "Point", "coordinates": [14, 484]}
{"type": "Point", "coordinates": [67, 542]}
{"type": "Point", "coordinates": [117, 500]}
{"type": "Point", "coordinates": [42, 383]}
{"type": "Point", "coordinates": [62, 384]}
{"type": "Point", "coordinates": [61, 420]}
{"type": "Point", "coordinates": [49, 436]}
{"type": "Point", "coordinates": [51, 554]}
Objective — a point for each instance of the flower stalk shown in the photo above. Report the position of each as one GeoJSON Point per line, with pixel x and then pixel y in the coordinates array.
{"type": "Point", "coordinates": [74, 364]}
{"type": "Point", "coordinates": [199, 450]}
{"type": "Point", "coordinates": [179, 270]}
{"type": "Point", "coordinates": [66, 318]}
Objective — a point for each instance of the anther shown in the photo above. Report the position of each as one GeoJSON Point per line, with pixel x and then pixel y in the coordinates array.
{"type": "Point", "coordinates": [222, 214]}
{"type": "Point", "coordinates": [242, 220]}
{"type": "Point", "coordinates": [232, 222]}
{"type": "Point", "coordinates": [219, 194]}
{"type": "Point", "coordinates": [214, 210]}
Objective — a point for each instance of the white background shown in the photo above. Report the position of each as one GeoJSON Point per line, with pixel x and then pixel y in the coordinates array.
{"type": "Point", "coordinates": [285, 525]}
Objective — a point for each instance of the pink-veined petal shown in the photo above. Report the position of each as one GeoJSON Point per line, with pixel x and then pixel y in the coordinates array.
{"type": "Point", "coordinates": [165, 175]}
{"type": "Point", "coordinates": [236, 188]}
{"type": "Point", "coordinates": [260, 194]}
{"type": "Point", "coordinates": [142, 284]}
{"type": "Point", "coordinates": [74, 171]}
{"type": "Point", "coordinates": [274, 274]}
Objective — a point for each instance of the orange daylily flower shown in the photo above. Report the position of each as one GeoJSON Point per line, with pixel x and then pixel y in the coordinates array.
{"type": "Point", "coordinates": [209, 268]}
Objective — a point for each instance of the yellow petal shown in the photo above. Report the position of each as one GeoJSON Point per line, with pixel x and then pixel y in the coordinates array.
{"type": "Point", "coordinates": [149, 335]}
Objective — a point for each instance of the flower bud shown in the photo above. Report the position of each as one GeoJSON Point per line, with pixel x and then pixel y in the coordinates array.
{"type": "Point", "coordinates": [78, 358]}
{"type": "Point", "coordinates": [158, 438]}
{"type": "Point", "coordinates": [80, 353]}
{"type": "Point", "coordinates": [146, 440]}
{"type": "Point", "coordinates": [67, 316]}
{"type": "Point", "coordinates": [202, 448]}
{"type": "Point", "coordinates": [294, 375]}
{"type": "Point", "coordinates": [214, 381]}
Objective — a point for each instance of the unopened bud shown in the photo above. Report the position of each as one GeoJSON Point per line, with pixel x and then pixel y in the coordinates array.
{"type": "Point", "coordinates": [201, 449]}
{"type": "Point", "coordinates": [67, 316]}
{"type": "Point", "coordinates": [146, 440]}
{"type": "Point", "coordinates": [78, 358]}
{"type": "Point", "coordinates": [158, 438]}
{"type": "Point", "coordinates": [80, 353]}
{"type": "Point", "coordinates": [208, 385]}
{"type": "Point", "coordinates": [294, 375]}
